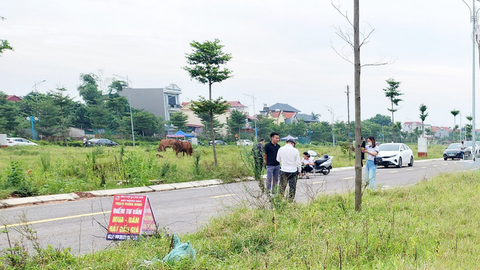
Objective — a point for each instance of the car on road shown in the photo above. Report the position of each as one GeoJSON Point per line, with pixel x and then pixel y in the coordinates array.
{"type": "Point", "coordinates": [396, 154]}
{"type": "Point", "coordinates": [19, 141]}
{"type": "Point", "coordinates": [244, 142]}
{"type": "Point", "coordinates": [101, 142]}
{"type": "Point", "coordinates": [217, 142]}
{"type": "Point", "coordinates": [453, 151]}
{"type": "Point", "coordinates": [468, 148]}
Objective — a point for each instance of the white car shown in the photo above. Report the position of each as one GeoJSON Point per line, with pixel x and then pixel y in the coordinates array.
{"type": "Point", "coordinates": [396, 154]}
{"type": "Point", "coordinates": [19, 141]}
{"type": "Point", "coordinates": [244, 142]}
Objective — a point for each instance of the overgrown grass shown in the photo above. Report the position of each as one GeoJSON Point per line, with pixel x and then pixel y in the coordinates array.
{"type": "Point", "coordinates": [432, 225]}
{"type": "Point", "coordinates": [54, 169]}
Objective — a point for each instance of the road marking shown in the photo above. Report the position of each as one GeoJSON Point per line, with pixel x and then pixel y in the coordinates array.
{"type": "Point", "coordinates": [410, 169]}
{"type": "Point", "coordinates": [346, 178]}
{"type": "Point", "coordinates": [393, 171]}
{"type": "Point", "coordinates": [321, 182]}
{"type": "Point", "coordinates": [435, 165]}
{"type": "Point", "coordinates": [423, 167]}
{"type": "Point", "coordinates": [56, 219]}
{"type": "Point", "coordinates": [222, 196]}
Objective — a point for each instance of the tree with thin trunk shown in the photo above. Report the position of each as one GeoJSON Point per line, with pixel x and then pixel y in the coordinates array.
{"type": "Point", "coordinates": [423, 116]}
{"type": "Point", "coordinates": [392, 93]}
{"type": "Point", "coordinates": [468, 128]}
{"type": "Point", "coordinates": [454, 113]}
{"type": "Point", "coordinates": [205, 63]}
{"type": "Point", "coordinates": [351, 37]}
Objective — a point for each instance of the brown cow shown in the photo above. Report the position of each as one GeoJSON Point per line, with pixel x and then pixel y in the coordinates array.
{"type": "Point", "coordinates": [165, 143]}
{"type": "Point", "coordinates": [184, 147]}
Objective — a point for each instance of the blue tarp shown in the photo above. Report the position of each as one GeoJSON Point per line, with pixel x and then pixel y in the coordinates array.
{"type": "Point", "coordinates": [181, 134]}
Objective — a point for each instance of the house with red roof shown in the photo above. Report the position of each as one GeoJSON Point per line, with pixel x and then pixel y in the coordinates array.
{"type": "Point", "coordinates": [14, 98]}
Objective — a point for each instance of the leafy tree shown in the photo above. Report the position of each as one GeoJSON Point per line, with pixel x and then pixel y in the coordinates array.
{"type": "Point", "coordinates": [205, 62]}
{"type": "Point", "coordinates": [468, 128]}
{"type": "Point", "coordinates": [454, 113]}
{"type": "Point", "coordinates": [236, 122]}
{"type": "Point", "coordinates": [265, 126]}
{"type": "Point", "coordinates": [48, 115]}
{"type": "Point", "coordinates": [63, 102]}
{"type": "Point", "coordinates": [88, 89]}
{"type": "Point", "coordinates": [179, 120]}
{"type": "Point", "coordinates": [205, 109]}
{"type": "Point", "coordinates": [423, 115]}
{"type": "Point", "coordinates": [9, 115]}
{"type": "Point", "coordinates": [382, 120]}
{"type": "Point", "coordinates": [392, 93]}
{"type": "Point", "coordinates": [117, 104]}
{"type": "Point", "coordinates": [4, 45]}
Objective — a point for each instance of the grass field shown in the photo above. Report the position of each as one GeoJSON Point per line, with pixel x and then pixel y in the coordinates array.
{"type": "Point", "coordinates": [27, 171]}
{"type": "Point", "coordinates": [432, 225]}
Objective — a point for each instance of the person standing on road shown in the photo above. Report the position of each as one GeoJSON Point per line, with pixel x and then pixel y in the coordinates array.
{"type": "Point", "coordinates": [84, 141]}
{"type": "Point", "coordinates": [371, 150]}
{"type": "Point", "coordinates": [289, 158]}
{"type": "Point", "coordinates": [258, 153]}
{"type": "Point", "coordinates": [271, 163]}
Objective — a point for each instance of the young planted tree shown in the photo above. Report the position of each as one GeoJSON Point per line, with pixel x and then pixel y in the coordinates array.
{"type": "Point", "coordinates": [392, 93]}
{"type": "Point", "coordinates": [205, 63]}
{"type": "Point", "coordinates": [468, 128]}
{"type": "Point", "coordinates": [352, 38]}
{"type": "Point", "coordinates": [423, 116]}
{"type": "Point", "coordinates": [212, 108]}
{"type": "Point", "coordinates": [455, 127]}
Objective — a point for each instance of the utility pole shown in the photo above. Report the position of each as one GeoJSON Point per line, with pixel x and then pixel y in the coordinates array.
{"type": "Point", "coordinates": [348, 123]}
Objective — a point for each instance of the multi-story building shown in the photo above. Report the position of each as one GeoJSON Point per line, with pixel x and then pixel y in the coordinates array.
{"type": "Point", "coordinates": [158, 101]}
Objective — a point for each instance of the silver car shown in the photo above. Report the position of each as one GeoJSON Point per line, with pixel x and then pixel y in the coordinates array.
{"type": "Point", "coordinates": [396, 154]}
{"type": "Point", "coordinates": [19, 141]}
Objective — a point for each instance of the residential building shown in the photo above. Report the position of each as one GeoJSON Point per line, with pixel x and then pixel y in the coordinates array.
{"type": "Point", "coordinates": [196, 124]}
{"type": "Point", "coordinates": [158, 101]}
{"type": "Point", "coordinates": [410, 127]}
{"type": "Point", "coordinates": [284, 113]}
{"type": "Point", "coordinates": [14, 98]}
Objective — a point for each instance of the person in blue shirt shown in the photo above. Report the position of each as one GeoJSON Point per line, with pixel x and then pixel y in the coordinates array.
{"type": "Point", "coordinates": [371, 149]}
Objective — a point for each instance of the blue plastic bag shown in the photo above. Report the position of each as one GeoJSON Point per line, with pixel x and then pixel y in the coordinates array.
{"type": "Point", "coordinates": [180, 251]}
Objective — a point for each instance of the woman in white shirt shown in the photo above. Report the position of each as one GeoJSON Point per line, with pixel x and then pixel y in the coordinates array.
{"type": "Point", "coordinates": [307, 164]}
{"type": "Point", "coordinates": [371, 150]}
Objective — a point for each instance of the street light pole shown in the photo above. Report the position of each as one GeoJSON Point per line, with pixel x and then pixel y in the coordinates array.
{"type": "Point", "coordinates": [35, 87]}
{"type": "Point", "coordinates": [255, 118]}
{"type": "Point", "coordinates": [129, 104]}
{"type": "Point", "coordinates": [473, 19]}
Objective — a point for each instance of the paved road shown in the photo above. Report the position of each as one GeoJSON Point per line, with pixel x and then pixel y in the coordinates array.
{"type": "Point", "coordinates": [80, 224]}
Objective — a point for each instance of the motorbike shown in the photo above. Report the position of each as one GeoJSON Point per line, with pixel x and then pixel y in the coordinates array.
{"type": "Point", "coordinates": [323, 165]}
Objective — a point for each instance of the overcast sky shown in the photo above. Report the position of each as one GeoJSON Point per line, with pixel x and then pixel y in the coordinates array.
{"type": "Point", "coordinates": [282, 51]}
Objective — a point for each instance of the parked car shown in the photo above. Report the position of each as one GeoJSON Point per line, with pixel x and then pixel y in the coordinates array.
{"type": "Point", "coordinates": [396, 154]}
{"type": "Point", "coordinates": [244, 142]}
{"type": "Point", "coordinates": [101, 142]}
{"type": "Point", "coordinates": [468, 148]}
{"type": "Point", "coordinates": [454, 151]}
{"type": "Point", "coordinates": [19, 141]}
{"type": "Point", "coordinates": [217, 142]}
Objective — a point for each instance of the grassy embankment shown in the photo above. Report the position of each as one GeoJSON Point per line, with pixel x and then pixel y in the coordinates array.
{"type": "Point", "coordinates": [432, 225]}
{"type": "Point", "coordinates": [27, 171]}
